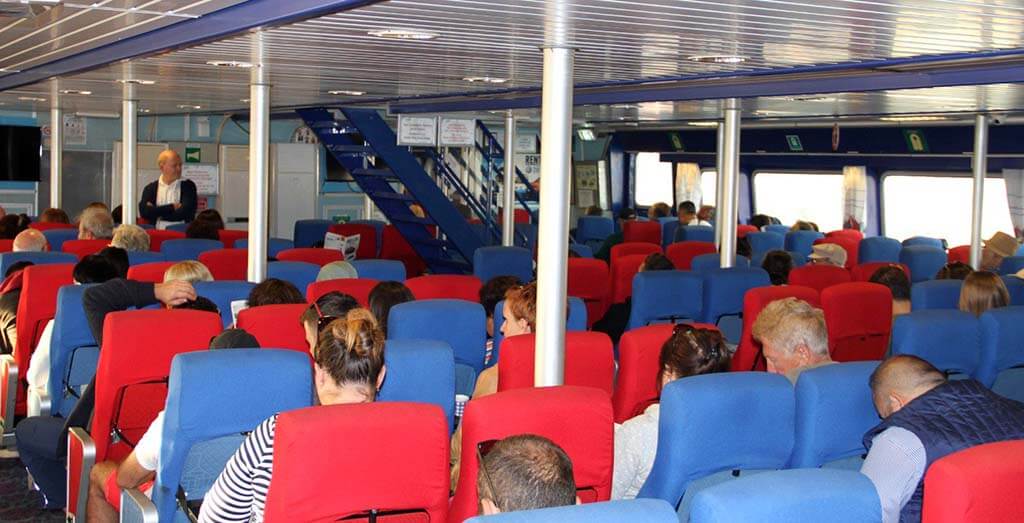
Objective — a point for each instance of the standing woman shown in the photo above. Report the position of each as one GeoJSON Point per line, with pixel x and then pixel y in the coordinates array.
{"type": "Point", "coordinates": [171, 199]}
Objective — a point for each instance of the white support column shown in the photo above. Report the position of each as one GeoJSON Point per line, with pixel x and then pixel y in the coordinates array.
{"type": "Point", "coordinates": [553, 241]}
{"type": "Point", "coordinates": [129, 137]}
{"type": "Point", "coordinates": [719, 206]}
{"type": "Point", "coordinates": [728, 213]}
{"type": "Point", "coordinates": [259, 161]}
{"type": "Point", "coordinates": [979, 165]}
{"type": "Point", "coordinates": [508, 202]}
{"type": "Point", "coordinates": [56, 146]}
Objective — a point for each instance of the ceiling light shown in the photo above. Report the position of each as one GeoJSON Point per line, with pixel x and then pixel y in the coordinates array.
{"type": "Point", "coordinates": [808, 99]}
{"type": "Point", "coordinates": [31, 99]}
{"type": "Point", "coordinates": [587, 135]}
{"type": "Point", "coordinates": [702, 124]}
{"type": "Point", "coordinates": [144, 110]}
{"type": "Point", "coordinates": [96, 114]}
{"type": "Point", "coordinates": [485, 79]}
{"type": "Point", "coordinates": [6, 70]}
{"type": "Point", "coordinates": [75, 91]}
{"type": "Point", "coordinates": [717, 59]}
{"type": "Point", "coordinates": [346, 92]}
{"type": "Point", "coordinates": [403, 34]}
{"type": "Point", "coordinates": [244, 100]}
{"type": "Point", "coordinates": [136, 81]}
{"type": "Point", "coordinates": [229, 63]}
{"type": "Point", "coordinates": [189, 106]}
{"type": "Point", "coordinates": [912, 118]}
{"type": "Point", "coordinates": [625, 106]}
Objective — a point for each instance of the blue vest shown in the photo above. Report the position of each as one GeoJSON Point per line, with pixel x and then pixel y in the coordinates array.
{"type": "Point", "coordinates": [953, 416]}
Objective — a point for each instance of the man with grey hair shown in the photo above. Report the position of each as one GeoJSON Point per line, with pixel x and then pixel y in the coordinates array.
{"type": "Point", "coordinates": [131, 238]}
{"type": "Point", "coordinates": [29, 240]}
{"type": "Point", "coordinates": [95, 223]}
{"type": "Point", "coordinates": [793, 337]}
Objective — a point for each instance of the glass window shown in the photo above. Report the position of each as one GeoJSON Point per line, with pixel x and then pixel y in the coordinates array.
{"type": "Point", "coordinates": [708, 186]}
{"type": "Point", "coordinates": [940, 207]}
{"type": "Point", "coordinates": [653, 180]}
{"type": "Point", "coordinates": [790, 196]}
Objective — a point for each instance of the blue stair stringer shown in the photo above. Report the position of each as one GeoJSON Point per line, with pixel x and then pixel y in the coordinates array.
{"type": "Point", "coordinates": [442, 256]}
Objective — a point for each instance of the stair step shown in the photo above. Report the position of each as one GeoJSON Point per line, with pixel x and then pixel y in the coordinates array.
{"type": "Point", "coordinates": [349, 149]}
{"type": "Point", "coordinates": [455, 264]}
{"type": "Point", "coordinates": [391, 196]}
{"type": "Point", "coordinates": [413, 220]}
{"type": "Point", "coordinates": [378, 173]}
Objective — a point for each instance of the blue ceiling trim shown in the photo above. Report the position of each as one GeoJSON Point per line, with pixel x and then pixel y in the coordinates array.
{"type": "Point", "coordinates": [217, 25]}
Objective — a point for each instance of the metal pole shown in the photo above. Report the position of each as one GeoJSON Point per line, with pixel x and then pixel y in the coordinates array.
{"type": "Point", "coordinates": [719, 205]}
{"type": "Point", "coordinates": [553, 241]}
{"type": "Point", "coordinates": [728, 214]}
{"type": "Point", "coordinates": [508, 227]}
{"type": "Point", "coordinates": [129, 137]}
{"type": "Point", "coordinates": [56, 146]}
{"type": "Point", "coordinates": [259, 162]}
{"type": "Point", "coordinates": [979, 165]}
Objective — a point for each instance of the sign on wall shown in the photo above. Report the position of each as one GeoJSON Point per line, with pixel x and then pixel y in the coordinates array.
{"type": "Point", "coordinates": [417, 130]}
{"type": "Point", "coordinates": [457, 132]}
{"type": "Point", "coordinates": [206, 176]}
{"type": "Point", "coordinates": [526, 143]}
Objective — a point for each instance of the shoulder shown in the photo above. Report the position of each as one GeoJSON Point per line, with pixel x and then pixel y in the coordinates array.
{"type": "Point", "coordinates": [185, 182]}
{"type": "Point", "coordinates": [899, 439]}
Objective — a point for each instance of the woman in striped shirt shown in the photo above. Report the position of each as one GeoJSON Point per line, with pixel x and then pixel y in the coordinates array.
{"type": "Point", "coordinates": [349, 368]}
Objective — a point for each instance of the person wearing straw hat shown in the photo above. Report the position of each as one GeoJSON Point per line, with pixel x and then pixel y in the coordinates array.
{"type": "Point", "coordinates": [999, 246]}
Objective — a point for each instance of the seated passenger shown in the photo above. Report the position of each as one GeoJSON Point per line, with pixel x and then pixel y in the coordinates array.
{"type": "Point", "coordinates": [318, 315]}
{"type": "Point", "coordinates": [594, 210]}
{"type": "Point", "coordinates": [801, 225]}
{"type": "Point", "coordinates": [778, 264]}
{"type": "Point", "coordinates": [30, 240]}
{"type": "Point", "coordinates": [688, 215]}
{"type": "Point", "coordinates": [999, 246]}
{"type": "Point", "coordinates": [188, 270]}
{"type": "Point", "coordinates": [131, 238]}
{"type": "Point", "coordinates": [793, 337]}
{"type": "Point", "coordinates": [761, 221]}
{"type": "Point", "coordinates": [827, 254]}
{"type": "Point", "coordinates": [118, 257]}
{"type": "Point", "coordinates": [706, 213]}
{"type": "Point", "coordinates": [349, 368]}
{"type": "Point", "coordinates": [95, 224]}
{"type": "Point", "coordinates": [954, 271]}
{"type": "Point", "coordinates": [982, 291]}
{"type": "Point", "coordinates": [690, 351]}
{"type": "Point", "coordinates": [273, 291]}
{"type": "Point", "coordinates": [206, 226]}
{"type": "Point", "coordinates": [520, 316]}
{"type": "Point", "coordinates": [53, 215]}
{"type": "Point", "coordinates": [616, 318]}
{"type": "Point", "coordinates": [524, 472]}
{"type": "Point", "coordinates": [658, 210]}
{"type": "Point", "coordinates": [893, 277]}
{"type": "Point", "coordinates": [10, 295]}
{"type": "Point", "coordinates": [605, 251]}
{"type": "Point", "coordinates": [337, 270]}
{"type": "Point", "coordinates": [12, 224]}
{"type": "Point", "coordinates": [926, 417]}
{"type": "Point", "coordinates": [385, 295]}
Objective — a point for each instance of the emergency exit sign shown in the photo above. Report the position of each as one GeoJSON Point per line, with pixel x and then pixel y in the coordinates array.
{"type": "Point", "coordinates": [795, 145]}
{"type": "Point", "coordinates": [193, 155]}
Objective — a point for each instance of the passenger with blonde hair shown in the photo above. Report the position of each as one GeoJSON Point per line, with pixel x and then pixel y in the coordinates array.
{"type": "Point", "coordinates": [131, 238]}
{"type": "Point", "coordinates": [188, 270]}
{"type": "Point", "coordinates": [793, 336]}
{"type": "Point", "coordinates": [982, 291]}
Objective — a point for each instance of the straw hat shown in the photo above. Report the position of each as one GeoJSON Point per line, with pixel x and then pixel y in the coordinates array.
{"type": "Point", "coordinates": [829, 253]}
{"type": "Point", "coordinates": [1002, 244]}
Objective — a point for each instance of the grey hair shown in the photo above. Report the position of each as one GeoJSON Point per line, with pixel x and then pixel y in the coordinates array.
{"type": "Point", "coordinates": [789, 322]}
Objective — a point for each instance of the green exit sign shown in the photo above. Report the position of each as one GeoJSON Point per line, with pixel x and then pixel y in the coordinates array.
{"type": "Point", "coordinates": [795, 145]}
{"type": "Point", "coordinates": [193, 155]}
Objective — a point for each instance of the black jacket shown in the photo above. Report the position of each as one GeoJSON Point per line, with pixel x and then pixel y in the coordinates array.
{"type": "Point", "coordinates": [149, 210]}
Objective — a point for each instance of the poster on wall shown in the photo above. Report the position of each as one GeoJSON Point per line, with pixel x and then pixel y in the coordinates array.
{"type": "Point", "coordinates": [417, 130]}
{"type": "Point", "coordinates": [529, 164]}
{"type": "Point", "coordinates": [74, 130]}
{"type": "Point", "coordinates": [526, 143]}
{"type": "Point", "coordinates": [206, 176]}
{"type": "Point", "coordinates": [457, 132]}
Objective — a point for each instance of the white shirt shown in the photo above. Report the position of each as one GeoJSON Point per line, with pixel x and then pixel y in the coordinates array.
{"type": "Point", "coordinates": [895, 465]}
{"type": "Point", "coordinates": [636, 443]}
{"type": "Point", "coordinates": [147, 451]}
{"type": "Point", "coordinates": [167, 194]}
{"type": "Point", "coordinates": [38, 375]}
{"type": "Point", "coordinates": [698, 221]}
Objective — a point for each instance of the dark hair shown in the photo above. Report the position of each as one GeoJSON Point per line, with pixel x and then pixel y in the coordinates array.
{"type": "Point", "coordinates": [211, 216]}
{"type": "Point", "coordinates": [743, 247]}
{"type": "Point", "coordinates": [94, 268]}
{"type": "Point", "coordinates": [760, 220]}
{"type": "Point", "coordinates": [954, 271]}
{"type": "Point", "coordinates": [334, 304]}
{"type": "Point", "coordinates": [10, 226]}
{"type": "Point", "coordinates": [527, 472]}
{"type": "Point", "coordinates": [778, 264]}
{"type": "Point", "coordinates": [657, 261]}
{"type": "Point", "coordinates": [692, 351]}
{"type": "Point", "coordinates": [199, 304]}
{"type": "Point", "coordinates": [17, 266]}
{"type": "Point", "coordinates": [54, 215]}
{"type": "Point", "coordinates": [351, 349]}
{"type": "Point", "coordinates": [116, 214]}
{"type": "Point", "coordinates": [273, 291]}
{"type": "Point", "coordinates": [494, 291]}
{"type": "Point", "coordinates": [385, 295]}
{"type": "Point", "coordinates": [893, 277]}
{"type": "Point", "coordinates": [687, 207]}
{"type": "Point", "coordinates": [234, 339]}
{"type": "Point", "coordinates": [202, 230]}
{"type": "Point", "coordinates": [627, 213]}
{"type": "Point", "coordinates": [118, 257]}
{"type": "Point", "coordinates": [594, 210]}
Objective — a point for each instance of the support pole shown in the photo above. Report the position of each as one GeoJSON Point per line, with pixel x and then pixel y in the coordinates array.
{"type": "Point", "coordinates": [508, 227]}
{"type": "Point", "coordinates": [129, 138]}
{"type": "Point", "coordinates": [719, 206]}
{"type": "Point", "coordinates": [56, 146]}
{"type": "Point", "coordinates": [979, 165]}
{"type": "Point", "coordinates": [553, 241]}
{"type": "Point", "coordinates": [728, 212]}
{"type": "Point", "coordinates": [259, 161]}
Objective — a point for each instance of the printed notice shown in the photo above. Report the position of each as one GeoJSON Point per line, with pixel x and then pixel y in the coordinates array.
{"type": "Point", "coordinates": [206, 176]}
{"type": "Point", "coordinates": [457, 132]}
{"type": "Point", "coordinates": [417, 130]}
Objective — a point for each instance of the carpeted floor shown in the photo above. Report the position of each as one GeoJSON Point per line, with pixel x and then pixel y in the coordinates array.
{"type": "Point", "coordinates": [17, 502]}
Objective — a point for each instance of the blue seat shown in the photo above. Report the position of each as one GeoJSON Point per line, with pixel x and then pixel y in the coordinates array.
{"type": "Point", "coordinates": [723, 296]}
{"type": "Point", "coordinates": [39, 258]}
{"type": "Point", "coordinates": [595, 228]}
{"type": "Point", "coordinates": [777, 229]}
{"type": "Point", "coordinates": [526, 236]}
{"type": "Point", "coordinates": [223, 293]}
{"type": "Point", "coordinates": [178, 227]}
{"type": "Point", "coordinates": [489, 262]}
{"type": "Point", "coordinates": [577, 321]}
{"type": "Point", "coordinates": [1011, 265]}
{"type": "Point", "coordinates": [73, 351]}
{"type": "Point", "coordinates": [665, 295]}
{"type": "Point", "coordinates": [380, 270]}
{"type": "Point", "coordinates": [646, 510]}
{"type": "Point", "coordinates": [799, 260]}
{"type": "Point", "coordinates": [948, 339]}
{"type": "Point", "coordinates": [923, 260]}
{"type": "Point", "coordinates": [669, 226]}
{"type": "Point", "coordinates": [56, 237]}
{"type": "Point", "coordinates": [299, 274]}
{"type": "Point", "coordinates": [787, 496]}
{"type": "Point", "coordinates": [138, 258]}
{"type": "Point", "coordinates": [879, 249]}
{"type": "Point", "coordinates": [274, 245]}
{"type": "Point", "coordinates": [1015, 286]}
{"type": "Point", "coordinates": [200, 435]}
{"type": "Point", "coordinates": [924, 240]}
{"type": "Point", "coordinates": [581, 250]}
{"type": "Point", "coordinates": [461, 324]}
{"type": "Point", "coordinates": [834, 409]}
{"type": "Point", "coordinates": [695, 233]}
{"type": "Point", "coordinates": [421, 371]}
{"type": "Point", "coordinates": [712, 261]}
{"type": "Point", "coordinates": [188, 248]}
{"type": "Point", "coordinates": [713, 424]}
{"type": "Point", "coordinates": [1002, 354]}
{"type": "Point", "coordinates": [801, 242]}
{"type": "Point", "coordinates": [935, 294]}
{"type": "Point", "coordinates": [763, 242]}
{"type": "Point", "coordinates": [309, 232]}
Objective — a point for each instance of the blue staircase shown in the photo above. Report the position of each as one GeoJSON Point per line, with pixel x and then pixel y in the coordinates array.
{"type": "Point", "coordinates": [492, 150]}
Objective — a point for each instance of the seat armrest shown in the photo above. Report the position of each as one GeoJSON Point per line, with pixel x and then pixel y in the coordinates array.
{"type": "Point", "coordinates": [8, 394]}
{"type": "Point", "coordinates": [81, 458]}
{"type": "Point", "coordinates": [38, 403]}
{"type": "Point", "coordinates": [137, 508]}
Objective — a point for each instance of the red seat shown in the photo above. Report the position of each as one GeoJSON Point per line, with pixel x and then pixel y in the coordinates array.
{"type": "Point", "coordinates": [819, 277]}
{"type": "Point", "coordinates": [630, 248]}
{"type": "Point", "coordinates": [623, 270]}
{"type": "Point", "coordinates": [960, 254]}
{"type": "Point", "coordinates": [316, 256]}
{"type": "Point", "coordinates": [641, 232]}
{"type": "Point", "coordinates": [849, 233]}
{"type": "Point", "coordinates": [577, 419]}
{"type": "Point", "coordinates": [83, 248]}
{"type": "Point", "coordinates": [743, 230]}
{"type": "Point", "coordinates": [748, 353]}
{"type": "Point", "coordinates": [864, 271]}
{"type": "Point", "coordinates": [636, 384]}
{"type": "Point", "coordinates": [589, 361]}
{"type": "Point", "coordinates": [158, 237]}
{"type": "Point", "coordinates": [859, 319]}
{"type": "Point", "coordinates": [8, 246]}
{"type": "Point", "coordinates": [367, 238]}
{"type": "Point", "coordinates": [357, 439]}
{"type": "Point", "coordinates": [276, 326]}
{"type": "Point", "coordinates": [980, 484]}
{"type": "Point", "coordinates": [48, 226]}
{"type": "Point", "coordinates": [588, 280]}
{"type": "Point", "coordinates": [394, 247]}
{"type": "Point", "coordinates": [151, 272]}
{"type": "Point", "coordinates": [445, 286]}
{"type": "Point", "coordinates": [226, 264]}
{"type": "Point", "coordinates": [848, 242]}
{"type": "Point", "coordinates": [358, 288]}
{"type": "Point", "coordinates": [683, 253]}
{"type": "Point", "coordinates": [229, 236]}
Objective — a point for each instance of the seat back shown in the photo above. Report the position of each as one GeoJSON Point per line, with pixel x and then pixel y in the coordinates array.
{"type": "Point", "coordinates": [589, 279]}
{"type": "Point", "coordinates": [316, 256]}
{"type": "Point", "coordinates": [748, 354]}
{"type": "Point", "coordinates": [763, 242]}
{"type": "Point", "coordinates": [358, 288]}
{"type": "Point", "coordinates": [742, 230]}
{"type": "Point", "coordinates": [960, 253]}
{"type": "Point", "coordinates": [139, 258]}
{"type": "Point", "coordinates": [83, 248]}
{"type": "Point", "coordinates": [276, 326]}
{"type": "Point", "coordinates": [724, 289]}
{"type": "Point", "coordinates": [819, 277]}
{"type": "Point", "coordinates": [683, 253]}
{"type": "Point", "coordinates": [637, 231]}
{"type": "Point", "coordinates": [222, 293]}
{"type": "Point", "coordinates": [633, 248]}
{"type": "Point", "coordinates": [307, 233]}
{"type": "Point", "coordinates": [227, 264]}
{"type": "Point", "coordinates": [150, 272]}
{"type": "Point", "coordinates": [380, 270]}
{"type": "Point", "coordinates": [935, 294]}
{"type": "Point", "coordinates": [665, 295]}
{"type": "Point", "coordinates": [420, 371]}
{"type": "Point", "coordinates": [646, 510]}
{"type": "Point", "coordinates": [465, 328]}
{"type": "Point", "coordinates": [709, 262]}
{"type": "Point", "coordinates": [489, 262]}
{"type": "Point", "coordinates": [948, 339]}
{"type": "Point", "coordinates": [847, 233]}
{"type": "Point", "coordinates": [850, 244]}
{"type": "Point", "coordinates": [859, 320]}
{"type": "Point", "coordinates": [669, 225]}
{"type": "Point", "coordinates": [1015, 286]}
{"type": "Point", "coordinates": [577, 419]}
{"type": "Point", "coordinates": [73, 350]}
{"type": "Point", "coordinates": [801, 242]}
{"type": "Point", "coordinates": [445, 286]}
{"type": "Point", "coordinates": [695, 233]}
{"type": "Point", "coordinates": [352, 438]}
{"type": "Point", "coordinates": [1011, 264]}
{"type": "Point", "coordinates": [188, 248]}
{"type": "Point", "coordinates": [878, 249]}
{"type": "Point", "coordinates": [56, 237]}
{"type": "Point", "coordinates": [36, 306]}
{"type": "Point", "coordinates": [976, 485]}
{"type": "Point", "coordinates": [201, 435]}
{"type": "Point", "coordinates": [594, 228]}
{"type": "Point", "coordinates": [7, 245]}
{"type": "Point", "coordinates": [299, 274]}
{"type": "Point", "coordinates": [784, 496]}
{"type": "Point", "coordinates": [864, 271]}
{"type": "Point", "coordinates": [230, 236]}
{"type": "Point", "coordinates": [834, 409]}
{"type": "Point", "coordinates": [1002, 354]}
{"type": "Point", "coordinates": [377, 225]}
{"type": "Point", "coordinates": [157, 237]}
{"type": "Point", "coordinates": [367, 238]}
{"type": "Point", "coordinates": [624, 268]}
{"type": "Point", "coordinates": [38, 258]}
{"type": "Point", "coordinates": [924, 240]}
{"type": "Point", "coordinates": [274, 245]}
{"type": "Point", "coordinates": [46, 226]}
{"type": "Point", "coordinates": [395, 247]}
{"type": "Point", "coordinates": [589, 361]}
{"type": "Point", "coordinates": [924, 261]}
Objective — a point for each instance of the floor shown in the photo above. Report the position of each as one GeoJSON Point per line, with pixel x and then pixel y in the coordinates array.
{"type": "Point", "coordinates": [17, 502]}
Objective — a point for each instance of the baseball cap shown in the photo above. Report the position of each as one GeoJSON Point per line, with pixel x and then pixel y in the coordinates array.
{"type": "Point", "coordinates": [828, 253]}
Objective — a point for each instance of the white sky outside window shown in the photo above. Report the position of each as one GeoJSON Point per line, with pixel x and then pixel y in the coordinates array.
{"type": "Point", "coordinates": [940, 207]}
{"type": "Point", "coordinates": [800, 196]}
{"type": "Point", "coordinates": [708, 186]}
{"type": "Point", "coordinates": [653, 180]}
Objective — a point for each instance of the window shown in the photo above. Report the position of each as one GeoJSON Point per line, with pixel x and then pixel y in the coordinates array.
{"type": "Point", "coordinates": [708, 186]}
{"type": "Point", "coordinates": [653, 180]}
{"type": "Point", "coordinates": [940, 207]}
{"type": "Point", "coordinates": [790, 196]}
